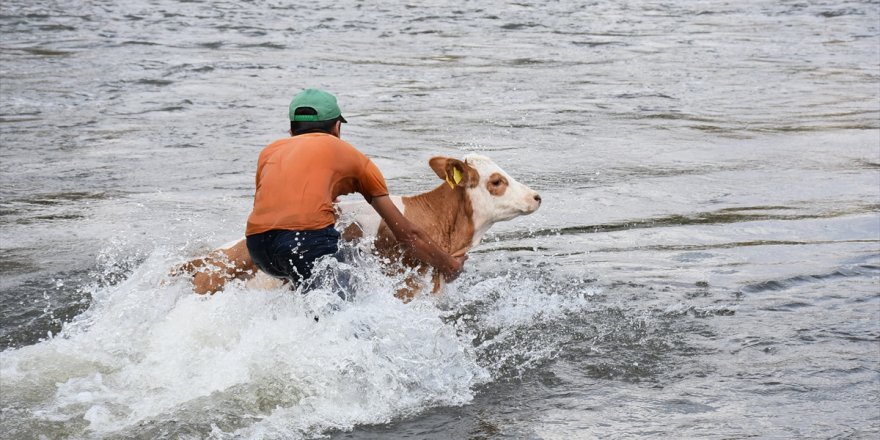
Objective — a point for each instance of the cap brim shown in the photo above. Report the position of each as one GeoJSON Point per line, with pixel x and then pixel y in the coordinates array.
{"type": "Point", "coordinates": [342, 119]}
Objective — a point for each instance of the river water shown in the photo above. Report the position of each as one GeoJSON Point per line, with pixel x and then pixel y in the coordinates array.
{"type": "Point", "coordinates": [706, 262]}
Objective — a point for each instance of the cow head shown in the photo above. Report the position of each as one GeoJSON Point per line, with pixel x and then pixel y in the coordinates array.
{"type": "Point", "coordinates": [494, 195]}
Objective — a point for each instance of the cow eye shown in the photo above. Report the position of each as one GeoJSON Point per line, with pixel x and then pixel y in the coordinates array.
{"type": "Point", "coordinates": [496, 182]}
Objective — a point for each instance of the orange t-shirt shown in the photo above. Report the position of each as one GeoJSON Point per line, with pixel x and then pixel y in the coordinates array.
{"type": "Point", "coordinates": [299, 177]}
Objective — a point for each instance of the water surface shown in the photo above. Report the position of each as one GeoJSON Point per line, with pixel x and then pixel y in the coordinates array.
{"type": "Point", "coordinates": [706, 262]}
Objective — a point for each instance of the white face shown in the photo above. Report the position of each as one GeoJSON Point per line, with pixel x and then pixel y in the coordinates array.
{"type": "Point", "coordinates": [497, 196]}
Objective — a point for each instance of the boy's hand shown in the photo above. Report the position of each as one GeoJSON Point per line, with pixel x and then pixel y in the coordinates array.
{"type": "Point", "coordinates": [455, 270]}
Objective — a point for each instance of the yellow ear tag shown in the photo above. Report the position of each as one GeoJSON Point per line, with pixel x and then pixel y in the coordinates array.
{"type": "Point", "coordinates": [456, 175]}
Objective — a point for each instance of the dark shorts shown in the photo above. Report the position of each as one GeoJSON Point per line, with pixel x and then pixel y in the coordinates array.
{"type": "Point", "coordinates": [291, 254]}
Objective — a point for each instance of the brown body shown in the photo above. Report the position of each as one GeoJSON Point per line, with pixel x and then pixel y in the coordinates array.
{"type": "Point", "coordinates": [453, 215]}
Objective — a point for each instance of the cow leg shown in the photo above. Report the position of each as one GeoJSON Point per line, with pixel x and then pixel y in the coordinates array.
{"type": "Point", "coordinates": [221, 266]}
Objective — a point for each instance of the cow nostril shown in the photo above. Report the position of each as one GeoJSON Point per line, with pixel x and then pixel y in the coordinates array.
{"type": "Point", "coordinates": [537, 197]}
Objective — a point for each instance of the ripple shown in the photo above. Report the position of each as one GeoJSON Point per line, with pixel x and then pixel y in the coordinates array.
{"type": "Point", "coordinates": [155, 82]}
{"type": "Point", "coordinates": [41, 51]}
{"type": "Point", "coordinates": [855, 271]}
{"type": "Point", "coordinates": [267, 45]}
{"type": "Point", "coordinates": [722, 216]}
{"type": "Point", "coordinates": [54, 199]}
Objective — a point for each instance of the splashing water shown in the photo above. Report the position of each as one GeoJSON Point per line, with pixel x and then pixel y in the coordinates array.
{"type": "Point", "coordinates": [149, 356]}
{"type": "Point", "coordinates": [146, 352]}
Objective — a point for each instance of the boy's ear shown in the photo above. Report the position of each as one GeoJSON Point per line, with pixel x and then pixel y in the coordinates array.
{"type": "Point", "coordinates": [454, 172]}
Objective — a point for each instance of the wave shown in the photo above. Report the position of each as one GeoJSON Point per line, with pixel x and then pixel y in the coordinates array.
{"type": "Point", "coordinates": [149, 355]}
{"type": "Point", "coordinates": [718, 217]}
{"type": "Point", "coordinates": [150, 358]}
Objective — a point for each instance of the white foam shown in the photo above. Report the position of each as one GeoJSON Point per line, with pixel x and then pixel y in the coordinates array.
{"type": "Point", "coordinates": [243, 362]}
{"type": "Point", "coordinates": [501, 309]}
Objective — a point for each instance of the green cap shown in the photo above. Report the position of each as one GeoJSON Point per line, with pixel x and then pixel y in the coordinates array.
{"type": "Point", "coordinates": [322, 102]}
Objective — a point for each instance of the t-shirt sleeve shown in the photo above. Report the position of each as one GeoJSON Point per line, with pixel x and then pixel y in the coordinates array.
{"type": "Point", "coordinates": [372, 183]}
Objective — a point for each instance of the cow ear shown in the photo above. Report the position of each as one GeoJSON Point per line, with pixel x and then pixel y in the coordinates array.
{"type": "Point", "coordinates": [452, 171]}
{"type": "Point", "coordinates": [438, 164]}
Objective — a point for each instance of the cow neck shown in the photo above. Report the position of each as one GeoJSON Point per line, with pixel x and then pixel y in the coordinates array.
{"type": "Point", "coordinates": [446, 215]}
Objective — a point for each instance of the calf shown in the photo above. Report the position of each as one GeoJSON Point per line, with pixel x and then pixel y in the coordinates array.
{"type": "Point", "coordinates": [476, 194]}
